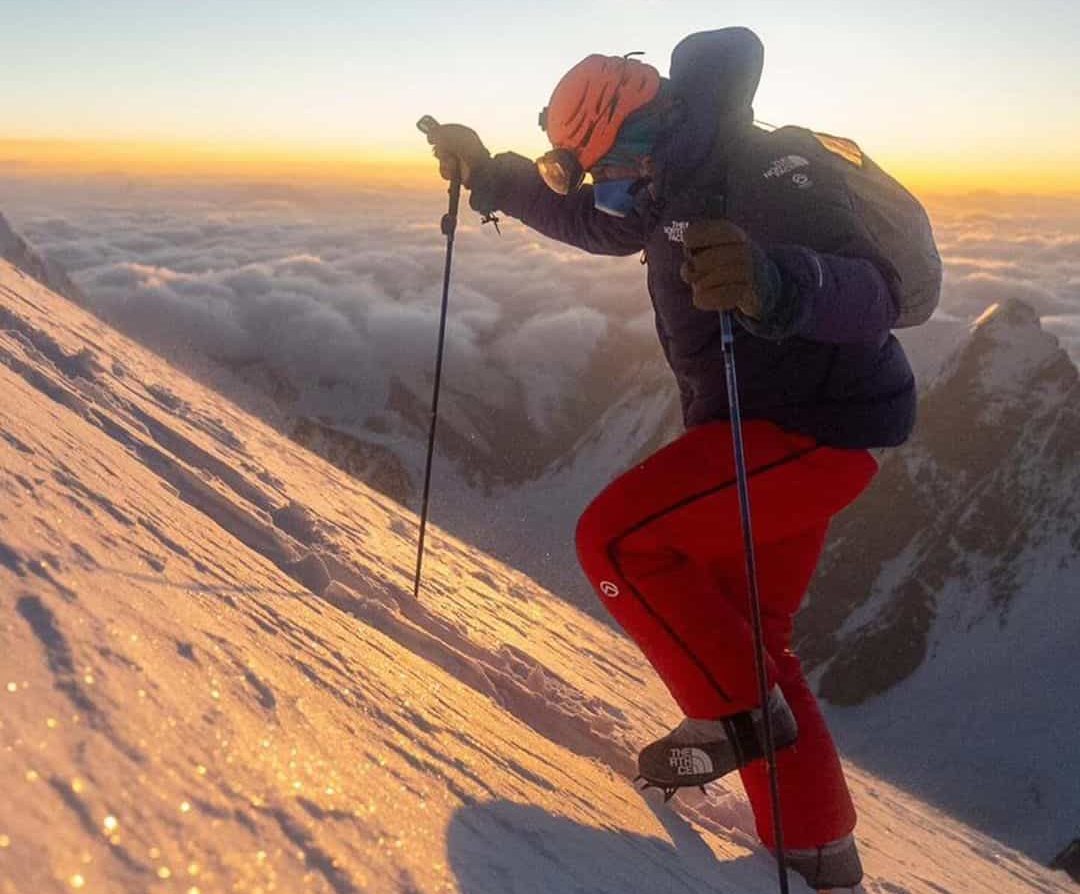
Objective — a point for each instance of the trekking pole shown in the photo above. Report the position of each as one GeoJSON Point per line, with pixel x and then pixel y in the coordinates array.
{"type": "Point", "coordinates": [727, 340]}
{"type": "Point", "coordinates": [427, 125]}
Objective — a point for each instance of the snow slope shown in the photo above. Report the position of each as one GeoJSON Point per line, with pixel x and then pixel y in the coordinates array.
{"type": "Point", "coordinates": [213, 678]}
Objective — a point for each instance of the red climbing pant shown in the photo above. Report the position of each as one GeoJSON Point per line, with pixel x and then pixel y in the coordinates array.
{"type": "Point", "coordinates": [662, 545]}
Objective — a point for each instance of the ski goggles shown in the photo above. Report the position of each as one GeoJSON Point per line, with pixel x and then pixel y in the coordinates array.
{"type": "Point", "coordinates": [561, 171]}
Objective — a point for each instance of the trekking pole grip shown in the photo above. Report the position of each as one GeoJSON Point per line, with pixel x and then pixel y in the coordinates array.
{"type": "Point", "coordinates": [427, 125]}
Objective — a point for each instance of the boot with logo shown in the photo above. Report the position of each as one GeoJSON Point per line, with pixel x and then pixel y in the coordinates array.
{"type": "Point", "coordinates": [697, 751]}
{"type": "Point", "coordinates": [833, 868]}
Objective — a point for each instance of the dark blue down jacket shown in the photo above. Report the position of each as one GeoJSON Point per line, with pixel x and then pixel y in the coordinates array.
{"type": "Point", "coordinates": [837, 374]}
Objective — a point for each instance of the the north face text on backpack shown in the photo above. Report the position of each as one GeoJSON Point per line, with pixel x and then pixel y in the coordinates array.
{"type": "Point", "coordinates": [785, 165]}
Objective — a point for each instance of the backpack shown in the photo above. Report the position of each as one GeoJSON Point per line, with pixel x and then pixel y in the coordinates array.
{"type": "Point", "coordinates": [895, 223]}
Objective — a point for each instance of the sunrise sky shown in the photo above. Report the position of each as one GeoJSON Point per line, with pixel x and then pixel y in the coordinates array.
{"type": "Point", "coordinates": [951, 95]}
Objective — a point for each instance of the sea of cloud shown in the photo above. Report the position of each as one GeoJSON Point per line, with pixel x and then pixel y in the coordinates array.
{"type": "Point", "coordinates": [338, 290]}
{"type": "Point", "coordinates": [999, 247]}
{"type": "Point", "coordinates": [334, 289]}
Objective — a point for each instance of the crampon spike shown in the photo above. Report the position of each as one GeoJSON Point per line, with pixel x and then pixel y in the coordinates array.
{"type": "Point", "coordinates": [669, 790]}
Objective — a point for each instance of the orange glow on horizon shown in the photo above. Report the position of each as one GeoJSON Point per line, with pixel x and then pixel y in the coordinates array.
{"type": "Point", "coordinates": [1007, 176]}
{"type": "Point", "coordinates": [415, 168]}
{"type": "Point", "coordinates": [167, 160]}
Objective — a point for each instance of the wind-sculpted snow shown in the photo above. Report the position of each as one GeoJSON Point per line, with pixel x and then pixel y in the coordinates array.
{"type": "Point", "coordinates": [213, 676]}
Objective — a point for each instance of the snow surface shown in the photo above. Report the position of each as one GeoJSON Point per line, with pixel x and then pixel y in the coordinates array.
{"type": "Point", "coordinates": [213, 676]}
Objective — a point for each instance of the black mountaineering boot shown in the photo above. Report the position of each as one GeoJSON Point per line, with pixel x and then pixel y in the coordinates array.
{"type": "Point", "coordinates": [834, 867]}
{"type": "Point", "coordinates": [700, 751]}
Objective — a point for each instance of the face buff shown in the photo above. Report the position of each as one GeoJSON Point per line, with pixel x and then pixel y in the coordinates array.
{"type": "Point", "coordinates": [616, 195]}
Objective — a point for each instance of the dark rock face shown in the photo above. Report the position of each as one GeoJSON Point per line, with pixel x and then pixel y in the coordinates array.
{"type": "Point", "coordinates": [1069, 860]}
{"type": "Point", "coordinates": [371, 463]}
{"type": "Point", "coordinates": [989, 479]}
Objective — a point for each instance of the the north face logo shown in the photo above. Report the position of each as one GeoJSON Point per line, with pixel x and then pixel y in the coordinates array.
{"type": "Point", "coordinates": [677, 231]}
{"type": "Point", "coordinates": [785, 165]}
{"type": "Point", "coordinates": [690, 762]}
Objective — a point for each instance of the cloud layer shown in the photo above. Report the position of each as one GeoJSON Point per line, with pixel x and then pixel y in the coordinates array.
{"type": "Point", "coordinates": [996, 247]}
{"type": "Point", "coordinates": [340, 293]}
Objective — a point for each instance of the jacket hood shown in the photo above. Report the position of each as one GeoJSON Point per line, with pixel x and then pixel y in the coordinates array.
{"type": "Point", "coordinates": [713, 79]}
{"type": "Point", "coordinates": [716, 73]}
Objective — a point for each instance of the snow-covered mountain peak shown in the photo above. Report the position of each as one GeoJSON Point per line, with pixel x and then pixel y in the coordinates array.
{"type": "Point", "coordinates": [1012, 312]}
{"type": "Point", "coordinates": [1010, 355]}
{"type": "Point", "coordinates": [1008, 374]}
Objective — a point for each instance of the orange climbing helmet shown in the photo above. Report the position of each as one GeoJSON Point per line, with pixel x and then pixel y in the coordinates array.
{"type": "Point", "coordinates": [590, 105]}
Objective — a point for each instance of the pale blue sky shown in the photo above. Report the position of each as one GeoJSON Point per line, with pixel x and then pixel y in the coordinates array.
{"type": "Point", "coordinates": [910, 78]}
